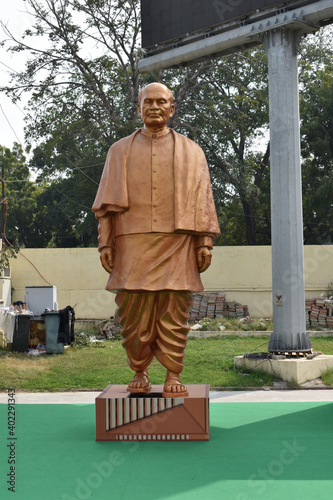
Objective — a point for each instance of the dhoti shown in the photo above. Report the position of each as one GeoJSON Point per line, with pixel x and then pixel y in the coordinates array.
{"type": "Point", "coordinates": [154, 324]}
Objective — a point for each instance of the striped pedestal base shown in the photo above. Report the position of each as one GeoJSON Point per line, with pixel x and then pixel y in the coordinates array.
{"type": "Point", "coordinates": [121, 416]}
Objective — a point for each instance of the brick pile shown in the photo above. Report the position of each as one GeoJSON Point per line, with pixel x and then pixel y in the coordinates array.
{"type": "Point", "coordinates": [235, 310]}
{"type": "Point", "coordinates": [214, 305]}
{"type": "Point", "coordinates": [319, 313]}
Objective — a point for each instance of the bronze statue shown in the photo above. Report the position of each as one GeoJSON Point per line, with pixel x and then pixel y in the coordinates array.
{"type": "Point", "coordinates": [157, 221]}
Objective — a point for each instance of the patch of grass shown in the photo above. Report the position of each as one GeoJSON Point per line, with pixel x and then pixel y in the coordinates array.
{"type": "Point", "coordinates": [207, 361]}
{"type": "Point", "coordinates": [84, 368]}
{"type": "Point", "coordinates": [323, 344]}
{"type": "Point", "coordinates": [327, 378]}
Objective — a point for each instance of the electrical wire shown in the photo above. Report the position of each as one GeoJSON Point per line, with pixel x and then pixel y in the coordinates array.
{"type": "Point", "coordinates": [8, 67]}
{"type": "Point", "coordinates": [264, 356]}
{"type": "Point", "coordinates": [8, 242]}
{"type": "Point", "coordinates": [10, 124]}
{"type": "Point", "coordinates": [33, 265]}
{"type": "Point", "coordinates": [71, 199]}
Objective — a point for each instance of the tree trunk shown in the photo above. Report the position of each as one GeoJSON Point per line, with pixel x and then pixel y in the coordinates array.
{"type": "Point", "coordinates": [249, 223]}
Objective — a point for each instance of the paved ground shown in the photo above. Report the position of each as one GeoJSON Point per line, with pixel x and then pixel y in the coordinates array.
{"type": "Point", "coordinates": [261, 396]}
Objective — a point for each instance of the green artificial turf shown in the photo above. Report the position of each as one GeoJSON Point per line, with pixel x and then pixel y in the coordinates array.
{"type": "Point", "coordinates": [257, 451]}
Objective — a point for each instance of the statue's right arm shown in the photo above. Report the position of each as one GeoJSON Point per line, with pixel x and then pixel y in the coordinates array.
{"type": "Point", "coordinates": [106, 258]}
{"type": "Point", "coordinates": [106, 241]}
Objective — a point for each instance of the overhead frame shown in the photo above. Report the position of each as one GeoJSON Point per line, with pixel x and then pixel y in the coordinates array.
{"type": "Point", "coordinates": [171, 20]}
{"type": "Point", "coordinates": [235, 36]}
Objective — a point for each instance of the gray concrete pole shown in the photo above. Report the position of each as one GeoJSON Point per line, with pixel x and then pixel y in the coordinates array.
{"type": "Point", "coordinates": [289, 333]}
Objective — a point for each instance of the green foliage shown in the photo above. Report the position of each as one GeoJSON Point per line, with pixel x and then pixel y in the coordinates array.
{"type": "Point", "coordinates": [329, 290]}
{"type": "Point", "coordinates": [35, 214]}
{"type": "Point", "coordinates": [316, 75]}
{"type": "Point", "coordinates": [20, 198]}
{"type": "Point", "coordinates": [327, 378]}
{"type": "Point", "coordinates": [8, 252]}
{"type": "Point", "coordinates": [226, 112]}
{"type": "Point", "coordinates": [80, 104]}
{"type": "Point", "coordinates": [81, 340]}
{"type": "Point", "coordinates": [83, 82]}
{"type": "Point", "coordinates": [98, 345]}
{"type": "Point", "coordinates": [232, 324]}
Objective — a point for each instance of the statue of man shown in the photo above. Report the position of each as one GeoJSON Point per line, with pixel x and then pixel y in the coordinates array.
{"type": "Point", "coordinates": [157, 221]}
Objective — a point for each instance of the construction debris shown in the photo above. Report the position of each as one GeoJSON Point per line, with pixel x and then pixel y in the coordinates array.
{"type": "Point", "coordinates": [214, 305]}
{"type": "Point", "coordinates": [319, 313]}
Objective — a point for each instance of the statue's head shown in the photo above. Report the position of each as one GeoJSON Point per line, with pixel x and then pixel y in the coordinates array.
{"type": "Point", "coordinates": [155, 106]}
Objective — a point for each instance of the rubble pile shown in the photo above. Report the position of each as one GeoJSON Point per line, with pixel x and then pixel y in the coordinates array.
{"type": "Point", "coordinates": [111, 329]}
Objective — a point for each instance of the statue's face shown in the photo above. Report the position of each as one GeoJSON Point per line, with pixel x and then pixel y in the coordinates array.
{"type": "Point", "coordinates": [155, 108]}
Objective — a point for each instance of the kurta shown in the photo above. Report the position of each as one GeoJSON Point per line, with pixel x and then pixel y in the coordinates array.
{"type": "Point", "coordinates": [150, 254]}
{"type": "Point", "coordinates": [194, 208]}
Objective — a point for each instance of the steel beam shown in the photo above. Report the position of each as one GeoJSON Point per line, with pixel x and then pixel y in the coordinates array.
{"type": "Point", "coordinates": [235, 39]}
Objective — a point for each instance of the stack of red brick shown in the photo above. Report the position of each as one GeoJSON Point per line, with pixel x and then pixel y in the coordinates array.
{"type": "Point", "coordinates": [214, 305]}
{"type": "Point", "coordinates": [319, 313]}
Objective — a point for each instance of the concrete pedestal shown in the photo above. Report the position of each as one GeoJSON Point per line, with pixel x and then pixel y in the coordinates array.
{"type": "Point", "coordinates": [121, 416]}
{"type": "Point", "coordinates": [297, 370]}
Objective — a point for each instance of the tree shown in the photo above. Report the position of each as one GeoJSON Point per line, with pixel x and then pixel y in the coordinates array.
{"type": "Point", "coordinates": [20, 196]}
{"type": "Point", "coordinates": [83, 79]}
{"type": "Point", "coordinates": [317, 138]}
{"type": "Point", "coordinates": [81, 115]}
{"type": "Point", "coordinates": [80, 104]}
{"type": "Point", "coordinates": [228, 114]}
{"type": "Point", "coordinates": [32, 215]}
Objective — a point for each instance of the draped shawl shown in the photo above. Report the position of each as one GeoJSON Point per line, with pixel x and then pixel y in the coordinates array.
{"type": "Point", "coordinates": [194, 203]}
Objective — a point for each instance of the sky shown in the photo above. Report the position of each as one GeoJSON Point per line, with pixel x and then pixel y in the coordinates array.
{"type": "Point", "coordinates": [13, 13]}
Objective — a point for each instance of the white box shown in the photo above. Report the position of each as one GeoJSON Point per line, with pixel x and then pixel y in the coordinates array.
{"type": "Point", "coordinates": [39, 298]}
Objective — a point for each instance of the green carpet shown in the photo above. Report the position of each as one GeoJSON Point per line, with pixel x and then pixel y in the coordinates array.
{"type": "Point", "coordinates": [268, 451]}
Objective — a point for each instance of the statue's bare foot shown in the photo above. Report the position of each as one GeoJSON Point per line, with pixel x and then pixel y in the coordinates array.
{"type": "Point", "coordinates": [173, 388]}
{"type": "Point", "coordinates": [140, 383]}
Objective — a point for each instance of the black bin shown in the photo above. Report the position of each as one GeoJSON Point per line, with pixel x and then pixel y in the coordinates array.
{"type": "Point", "coordinates": [21, 333]}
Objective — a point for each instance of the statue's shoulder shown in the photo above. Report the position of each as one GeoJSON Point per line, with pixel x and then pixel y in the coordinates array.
{"type": "Point", "coordinates": [186, 141]}
{"type": "Point", "coordinates": [124, 142]}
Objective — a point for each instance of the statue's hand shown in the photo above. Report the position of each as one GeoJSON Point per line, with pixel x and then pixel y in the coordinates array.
{"type": "Point", "coordinates": [106, 259]}
{"type": "Point", "coordinates": [204, 258]}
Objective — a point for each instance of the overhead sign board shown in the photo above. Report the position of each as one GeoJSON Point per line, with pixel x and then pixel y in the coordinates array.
{"type": "Point", "coordinates": [180, 32]}
{"type": "Point", "coordinates": [166, 20]}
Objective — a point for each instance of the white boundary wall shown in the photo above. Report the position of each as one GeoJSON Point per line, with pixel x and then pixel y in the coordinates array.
{"type": "Point", "coordinates": [244, 273]}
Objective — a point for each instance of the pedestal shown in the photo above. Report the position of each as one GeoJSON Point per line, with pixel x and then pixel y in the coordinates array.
{"type": "Point", "coordinates": [122, 416]}
{"type": "Point", "coordinates": [294, 370]}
